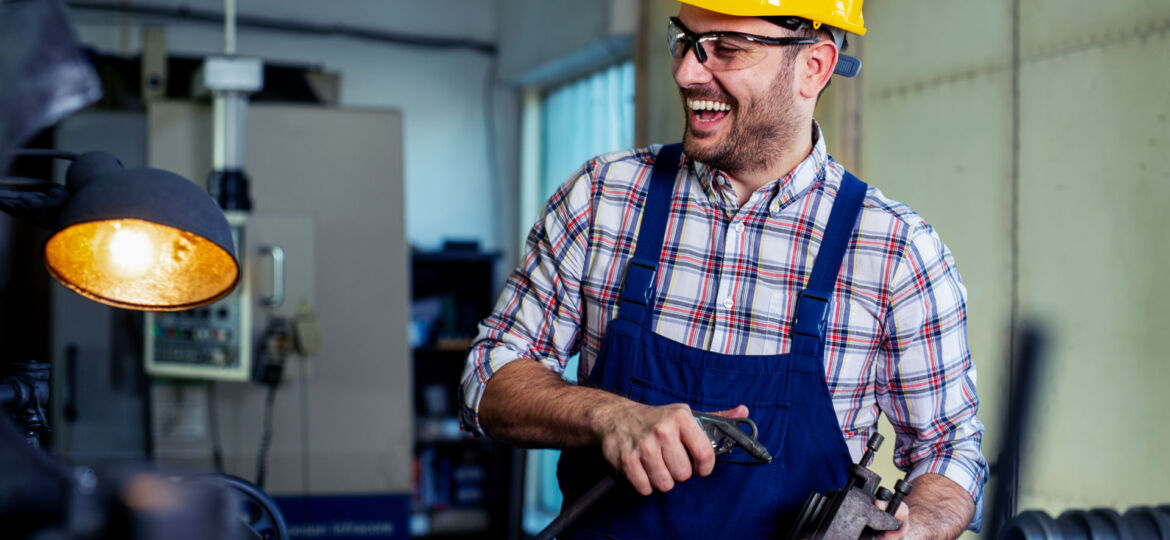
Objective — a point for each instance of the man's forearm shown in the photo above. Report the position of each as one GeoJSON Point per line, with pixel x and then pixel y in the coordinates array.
{"type": "Point", "coordinates": [525, 404]}
{"type": "Point", "coordinates": [939, 508]}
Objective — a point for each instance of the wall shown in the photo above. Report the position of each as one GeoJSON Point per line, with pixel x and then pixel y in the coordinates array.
{"type": "Point", "coordinates": [441, 92]}
{"type": "Point", "coordinates": [1094, 185]}
{"type": "Point", "coordinates": [1085, 200]}
{"type": "Point", "coordinates": [1040, 167]}
{"type": "Point", "coordinates": [546, 42]}
{"type": "Point", "coordinates": [658, 113]}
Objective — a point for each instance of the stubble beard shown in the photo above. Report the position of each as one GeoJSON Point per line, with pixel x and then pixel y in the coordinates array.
{"type": "Point", "coordinates": [759, 133]}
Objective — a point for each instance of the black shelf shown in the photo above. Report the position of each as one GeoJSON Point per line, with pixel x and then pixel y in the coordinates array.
{"type": "Point", "coordinates": [465, 487]}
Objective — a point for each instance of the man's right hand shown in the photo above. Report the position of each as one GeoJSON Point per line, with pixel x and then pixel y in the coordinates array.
{"type": "Point", "coordinates": [656, 447]}
{"type": "Point", "coordinates": [525, 404]}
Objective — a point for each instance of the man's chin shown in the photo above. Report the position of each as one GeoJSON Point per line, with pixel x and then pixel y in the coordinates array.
{"type": "Point", "coordinates": [699, 144]}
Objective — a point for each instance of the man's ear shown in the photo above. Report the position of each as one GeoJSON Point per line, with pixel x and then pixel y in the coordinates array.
{"type": "Point", "coordinates": [815, 67]}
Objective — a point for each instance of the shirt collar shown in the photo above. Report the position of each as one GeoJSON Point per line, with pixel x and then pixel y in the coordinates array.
{"type": "Point", "coordinates": [779, 191]}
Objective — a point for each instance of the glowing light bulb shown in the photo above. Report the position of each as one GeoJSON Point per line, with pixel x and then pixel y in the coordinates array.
{"type": "Point", "coordinates": [132, 252]}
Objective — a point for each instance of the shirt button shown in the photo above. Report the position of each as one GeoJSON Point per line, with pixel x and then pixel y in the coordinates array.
{"type": "Point", "coordinates": [727, 303]}
{"type": "Point", "coordinates": [775, 207]}
{"type": "Point", "coordinates": [739, 227]}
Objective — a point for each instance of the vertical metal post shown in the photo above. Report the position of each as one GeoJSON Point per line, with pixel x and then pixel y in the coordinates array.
{"type": "Point", "coordinates": [229, 27]}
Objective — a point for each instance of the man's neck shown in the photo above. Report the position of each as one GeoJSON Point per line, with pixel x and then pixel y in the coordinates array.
{"type": "Point", "coordinates": [748, 181]}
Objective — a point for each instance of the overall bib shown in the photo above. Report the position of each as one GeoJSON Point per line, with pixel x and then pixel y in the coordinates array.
{"type": "Point", "coordinates": [786, 394]}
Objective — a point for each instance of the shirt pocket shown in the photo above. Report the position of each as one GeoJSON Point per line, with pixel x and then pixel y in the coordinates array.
{"type": "Point", "coordinates": [780, 305]}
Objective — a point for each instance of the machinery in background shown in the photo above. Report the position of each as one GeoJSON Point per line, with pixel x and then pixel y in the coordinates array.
{"type": "Point", "coordinates": [215, 342]}
{"type": "Point", "coordinates": [221, 341]}
{"type": "Point", "coordinates": [209, 342]}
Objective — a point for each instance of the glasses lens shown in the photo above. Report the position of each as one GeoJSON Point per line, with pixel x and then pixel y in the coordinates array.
{"type": "Point", "coordinates": [731, 51]}
{"type": "Point", "coordinates": [676, 40]}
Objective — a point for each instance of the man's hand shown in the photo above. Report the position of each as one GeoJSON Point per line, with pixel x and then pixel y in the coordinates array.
{"type": "Point", "coordinates": [937, 507]}
{"type": "Point", "coordinates": [656, 447]}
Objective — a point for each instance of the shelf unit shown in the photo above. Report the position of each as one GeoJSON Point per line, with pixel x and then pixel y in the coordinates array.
{"type": "Point", "coordinates": [464, 487]}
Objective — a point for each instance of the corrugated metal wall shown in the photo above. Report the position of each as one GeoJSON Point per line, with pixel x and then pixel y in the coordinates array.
{"type": "Point", "coordinates": [1042, 165]}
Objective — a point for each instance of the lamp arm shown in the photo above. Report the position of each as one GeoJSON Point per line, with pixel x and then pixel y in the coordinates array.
{"type": "Point", "coordinates": [32, 199]}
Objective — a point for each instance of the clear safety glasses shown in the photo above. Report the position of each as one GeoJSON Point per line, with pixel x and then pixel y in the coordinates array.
{"type": "Point", "coordinates": [723, 51]}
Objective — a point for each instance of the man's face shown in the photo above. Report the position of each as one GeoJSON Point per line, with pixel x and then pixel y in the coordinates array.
{"type": "Point", "coordinates": [736, 120]}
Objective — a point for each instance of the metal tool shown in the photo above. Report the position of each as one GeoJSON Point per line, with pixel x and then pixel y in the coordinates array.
{"type": "Point", "coordinates": [725, 434]}
{"type": "Point", "coordinates": [849, 513]}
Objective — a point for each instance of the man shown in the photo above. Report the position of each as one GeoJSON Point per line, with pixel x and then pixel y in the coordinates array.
{"type": "Point", "coordinates": [717, 281]}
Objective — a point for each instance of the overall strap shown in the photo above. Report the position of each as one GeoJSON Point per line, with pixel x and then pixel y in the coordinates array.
{"type": "Point", "coordinates": [637, 296]}
{"type": "Point", "coordinates": [812, 306]}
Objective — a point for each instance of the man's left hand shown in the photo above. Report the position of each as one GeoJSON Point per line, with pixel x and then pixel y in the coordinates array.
{"type": "Point", "coordinates": [941, 509]}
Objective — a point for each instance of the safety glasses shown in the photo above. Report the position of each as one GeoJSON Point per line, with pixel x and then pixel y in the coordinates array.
{"type": "Point", "coordinates": [723, 51]}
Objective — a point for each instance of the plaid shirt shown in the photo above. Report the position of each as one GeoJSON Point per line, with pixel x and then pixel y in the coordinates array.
{"type": "Point", "coordinates": [728, 282]}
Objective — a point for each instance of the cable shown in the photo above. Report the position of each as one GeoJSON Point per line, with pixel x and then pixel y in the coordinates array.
{"type": "Point", "coordinates": [504, 229]}
{"type": "Point", "coordinates": [579, 507]}
{"type": "Point", "coordinates": [265, 437]}
{"type": "Point", "coordinates": [1011, 498]}
{"type": "Point", "coordinates": [213, 417]}
{"type": "Point", "coordinates": [290, 25]}
{"type": "Point", "coordinates": [304, 383]}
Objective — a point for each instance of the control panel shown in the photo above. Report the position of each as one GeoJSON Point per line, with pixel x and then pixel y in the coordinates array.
{"type": "Point", "coordinates": [210, 342]}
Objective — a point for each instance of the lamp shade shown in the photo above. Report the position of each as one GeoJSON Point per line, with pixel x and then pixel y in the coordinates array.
{"type": "Point", "coordinates": [143, 239]}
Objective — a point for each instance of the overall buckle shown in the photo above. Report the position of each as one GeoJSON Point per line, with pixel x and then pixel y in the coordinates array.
{"type": "Point", "coordinates": [638, 287]}
{"type": "Point", "coordinates": [812, 314]}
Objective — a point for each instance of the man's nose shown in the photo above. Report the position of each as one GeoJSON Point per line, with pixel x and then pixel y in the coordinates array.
{"type": "Point", "coordinates": [688, 71]}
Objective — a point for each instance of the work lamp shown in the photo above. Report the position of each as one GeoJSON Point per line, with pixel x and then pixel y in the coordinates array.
{"type": "Point", "coordinates": [141, 238]}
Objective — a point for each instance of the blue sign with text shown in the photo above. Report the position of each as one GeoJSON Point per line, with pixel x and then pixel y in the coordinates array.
{"type": "Point", "coordinates": [373, 516]}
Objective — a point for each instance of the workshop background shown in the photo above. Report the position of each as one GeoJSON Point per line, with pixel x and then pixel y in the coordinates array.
{"type": "Point", "coordinates": [400, 150]}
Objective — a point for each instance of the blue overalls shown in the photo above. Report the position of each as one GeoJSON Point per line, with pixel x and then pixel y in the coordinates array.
{"type": "Point", "coordinates": [786, 394]}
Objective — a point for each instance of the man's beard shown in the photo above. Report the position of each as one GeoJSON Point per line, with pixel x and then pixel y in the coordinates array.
{"type": "Point", "coordinates": [758, 134]}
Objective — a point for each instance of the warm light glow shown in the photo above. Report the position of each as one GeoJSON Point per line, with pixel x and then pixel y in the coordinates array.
{"type": "Point", "coordinates": [131, 251]}
{"type": "Point", "coordinates": [138, 264]}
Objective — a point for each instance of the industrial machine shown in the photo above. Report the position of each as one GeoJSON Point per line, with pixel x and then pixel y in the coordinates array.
{"type": "Point", "coordinates": [219, 341]}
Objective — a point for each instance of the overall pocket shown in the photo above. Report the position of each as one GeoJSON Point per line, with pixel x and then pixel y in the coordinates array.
{"type": "Point", "coordinates": [771, 417]}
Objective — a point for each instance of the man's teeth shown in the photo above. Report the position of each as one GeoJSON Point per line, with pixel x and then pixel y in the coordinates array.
{"type": "Point", "coordinates": [707, 105]}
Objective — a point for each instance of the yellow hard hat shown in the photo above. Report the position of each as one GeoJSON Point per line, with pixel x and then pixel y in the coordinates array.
{"type": "Point", "coordinates": [843, 14]}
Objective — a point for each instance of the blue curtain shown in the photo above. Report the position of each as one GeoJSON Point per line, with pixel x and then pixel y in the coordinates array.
{"type": "Point", "coordinates": [584, 118]}
{"type": "Point", "coordinates": [579, 120]}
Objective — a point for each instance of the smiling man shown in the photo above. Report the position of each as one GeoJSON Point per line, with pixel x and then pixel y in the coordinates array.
{"type": "Point", "coordinates": [745, 273]}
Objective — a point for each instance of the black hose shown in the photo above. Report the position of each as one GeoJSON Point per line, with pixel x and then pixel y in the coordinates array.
{"type": "Point", "coordinates": [265, 437]}
{"type": "Point", "coordinates": [578, 507]}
